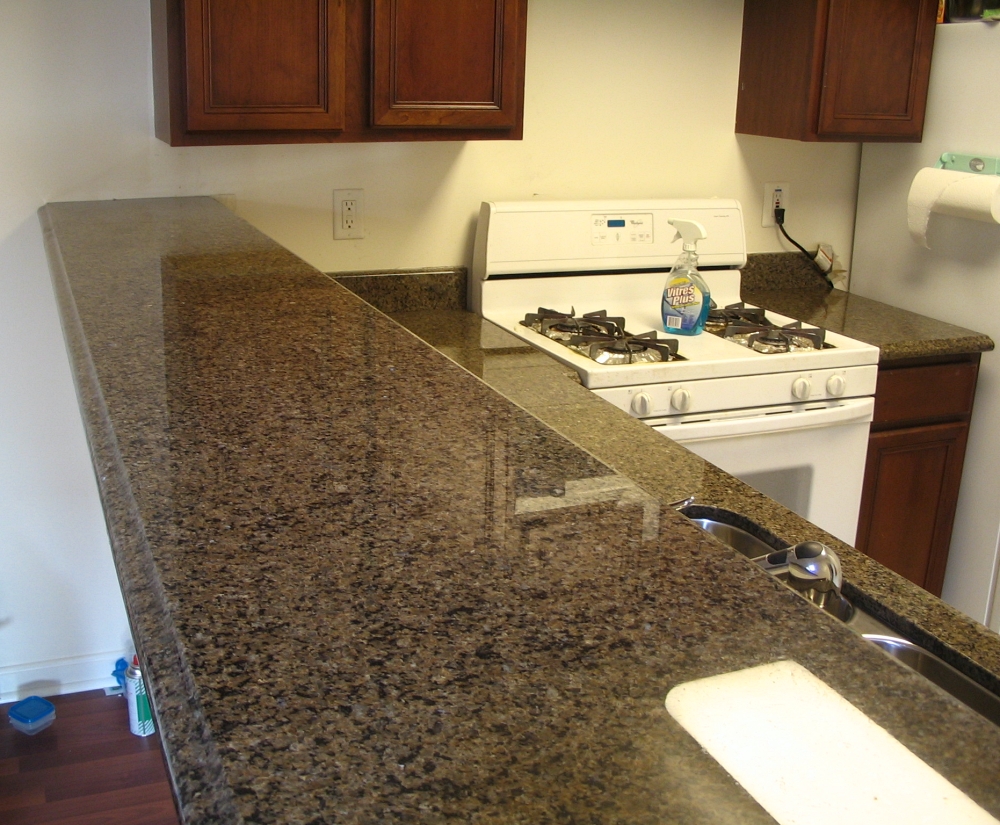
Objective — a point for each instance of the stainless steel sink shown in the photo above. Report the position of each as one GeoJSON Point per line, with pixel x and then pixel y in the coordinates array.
{"type": "Point", "coordinates": [737, 538]}
{"type": "Point", "coordinates": [763, 544]}
{"type": "Point", "coordinates": [941, 674]}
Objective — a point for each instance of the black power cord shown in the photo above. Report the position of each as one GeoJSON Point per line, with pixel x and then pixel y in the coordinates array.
{"type": "Point", "coordinates": [779, 219]}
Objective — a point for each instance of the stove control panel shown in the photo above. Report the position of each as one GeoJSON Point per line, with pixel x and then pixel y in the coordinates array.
{"type": "Point", "coordinates": [627, 228]}
{"type": "Point", "coordinates": [742, 392]}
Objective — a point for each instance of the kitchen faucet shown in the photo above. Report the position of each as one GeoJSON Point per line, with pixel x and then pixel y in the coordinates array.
{"type": "Point", "coordinates": [809, 567]}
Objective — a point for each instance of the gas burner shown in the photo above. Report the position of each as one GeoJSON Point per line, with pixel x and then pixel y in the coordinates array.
{"type": "Point", "coordinates": [534, 320]}
{"type": "Point", "coordinates": [646, 348]}
{"type": "Point", "coordinates": [739, 313]}
{"type": "Point", "coordinates": [562, 329]}
{"type": "Point", "coordinates": [771, 340]}
{"type": "Point", "coordinates": [602, 338]}
{"type": "Point", "coordinates": [560, 326]}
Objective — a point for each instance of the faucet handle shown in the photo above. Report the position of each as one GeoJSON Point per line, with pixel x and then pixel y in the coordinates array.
{"type": "Point", "coordinates": [776, 562]}
{"type": "Point", "coordinates": [814, 566]}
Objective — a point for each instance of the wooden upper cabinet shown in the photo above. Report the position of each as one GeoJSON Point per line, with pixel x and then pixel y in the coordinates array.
{"type": "Point", "coordinates": [264, 64]}
{"type": "Point", "coordinates": [847, 70]}
{"type": "Point", "coordinates": [309, 71]}
{"type": "Point", "coordinates": [441, 63]}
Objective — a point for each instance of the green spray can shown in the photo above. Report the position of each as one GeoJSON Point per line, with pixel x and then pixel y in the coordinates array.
{"type": "Point", "coordinates": [140, 717]}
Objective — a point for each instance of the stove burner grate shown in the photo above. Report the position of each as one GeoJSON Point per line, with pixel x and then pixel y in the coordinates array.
{"type": "Point", "coordinates": [601, 337]}
{"type": "Point", "coordinates": [719, 318]}
{"type": "Point", "coordinates": [770, 339]}
{"type": "Point", "coordinates": [559, 325]}
{"type": "Point", "coordinates": [646, 348]}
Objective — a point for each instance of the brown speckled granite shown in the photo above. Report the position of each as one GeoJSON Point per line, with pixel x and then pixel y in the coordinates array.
{"type": "Point", "coordinates": [787, 283]}
{"type": "Point", "coordinates": [779, 271]}
{"type": "Point", "coordinates": [553, 393]}
{"type": "Point", "coordinates": [408, 289]}
{"type": "Point", "coordinates": [377, 591]}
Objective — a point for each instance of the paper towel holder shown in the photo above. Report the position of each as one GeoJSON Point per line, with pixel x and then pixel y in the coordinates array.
{"type": "Point", "coordinates": [977, 164]}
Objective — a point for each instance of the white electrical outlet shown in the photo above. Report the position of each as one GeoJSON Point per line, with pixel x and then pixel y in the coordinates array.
{"type": "Point", "coordinates": [348, 214]}
{"type": "Point", "coordinates": [775, 197]}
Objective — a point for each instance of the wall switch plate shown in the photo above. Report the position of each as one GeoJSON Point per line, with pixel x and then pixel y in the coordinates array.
{"type": "Point", "coordinates": [775, 196]}
{"type": "Point", "coordinates": [348, 214]}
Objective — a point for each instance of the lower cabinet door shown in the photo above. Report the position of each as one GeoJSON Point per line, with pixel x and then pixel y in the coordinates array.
{"type": "Point", "coordinates": [912, 479]}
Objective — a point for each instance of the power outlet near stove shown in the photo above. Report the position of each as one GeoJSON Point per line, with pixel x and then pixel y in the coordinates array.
{"type": "Point", "coordinates": [775, 197]}
{"type": "Point", "coordinates": [348, 214]}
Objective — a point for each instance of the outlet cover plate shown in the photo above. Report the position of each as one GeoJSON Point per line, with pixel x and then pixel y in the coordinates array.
{"type": "Point", "coordinates": [345, 225]}
{"type": "Point", "coordinates": [767, 212]}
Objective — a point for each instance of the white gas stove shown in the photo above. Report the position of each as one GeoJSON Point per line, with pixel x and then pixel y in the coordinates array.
{"type": "Point", "coordinates": [786, 410]}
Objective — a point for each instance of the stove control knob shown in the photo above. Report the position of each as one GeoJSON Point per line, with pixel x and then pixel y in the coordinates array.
{"type": "Point", "coordinates": [642, 404]}
{"type": "Point", "coordinates": [680, 400]}
{"type": "Point", "coordinates": [801, 388]}
{"type": "Point", "coordinates": [836, 385]}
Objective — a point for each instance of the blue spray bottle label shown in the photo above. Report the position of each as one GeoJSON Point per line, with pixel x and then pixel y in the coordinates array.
{"type": "Point", "coordinates": [684, 307]}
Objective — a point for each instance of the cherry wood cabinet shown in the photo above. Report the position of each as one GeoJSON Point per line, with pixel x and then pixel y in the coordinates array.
{"type": "Point", "coordinates": [261, 64]}
{"type": "Point", "coordinates": [445, 63]}
{"type": "Point", "coordinates": [835, 70]}
{"type": "Point", "coordinates": [915, 456]}
{"type": "Point", "coordinates": [314, 71]}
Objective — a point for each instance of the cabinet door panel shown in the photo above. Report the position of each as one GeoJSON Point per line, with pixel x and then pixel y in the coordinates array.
{"type": "Point", "coordinates": [264, 64]}
{"type": "Point", "coordinates": [876, 67]}
{"type": "Point", "coordinates": [447, 63]}
{"type": "Point", "coordinates": [911, 488]}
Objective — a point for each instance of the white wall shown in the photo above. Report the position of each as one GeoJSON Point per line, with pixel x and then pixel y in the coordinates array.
{"type": "Point", "coordinates": [632, 99]}
{"type": "Point", "coordinates": [955, 280]}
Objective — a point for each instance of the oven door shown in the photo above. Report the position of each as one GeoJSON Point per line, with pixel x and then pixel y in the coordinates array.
{"type": "Point", "coordinates": [809, 457]}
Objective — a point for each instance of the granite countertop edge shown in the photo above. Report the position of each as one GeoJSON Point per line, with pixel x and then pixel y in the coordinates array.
{"type": "Point", "coordinates": [194, 768]}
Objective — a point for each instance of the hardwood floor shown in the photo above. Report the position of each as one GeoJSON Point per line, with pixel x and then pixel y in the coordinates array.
{"type": "Point", "coordinates": [86, 768]}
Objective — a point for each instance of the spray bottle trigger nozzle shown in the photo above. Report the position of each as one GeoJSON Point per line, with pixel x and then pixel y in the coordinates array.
{"type": "Point", "coordinates": [690, 231]}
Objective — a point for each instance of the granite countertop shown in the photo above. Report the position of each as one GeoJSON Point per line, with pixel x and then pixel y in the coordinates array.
{"type": "Point", "coordinates": [787, 284]}
{"type": "Point", "coordinates": [366, 587]}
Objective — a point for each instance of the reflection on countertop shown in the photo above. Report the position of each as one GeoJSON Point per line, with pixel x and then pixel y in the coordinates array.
{"type": "Point", "coordinates": [352, 589]}
{"type": "Point", "coordinates": [552, 392]}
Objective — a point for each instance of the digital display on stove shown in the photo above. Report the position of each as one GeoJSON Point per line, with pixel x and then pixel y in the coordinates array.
{"type": "Point", "coordinates": [621, 229]}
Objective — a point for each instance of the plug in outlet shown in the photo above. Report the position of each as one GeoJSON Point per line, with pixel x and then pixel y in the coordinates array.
{"type": "Point", "coordinates": [348, 214]}
{"type": "Point", "coordinates": [775, 197]}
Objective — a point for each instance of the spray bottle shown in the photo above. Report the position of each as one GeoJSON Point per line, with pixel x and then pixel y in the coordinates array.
{"type": "Point", "coordinates": [686, 299]}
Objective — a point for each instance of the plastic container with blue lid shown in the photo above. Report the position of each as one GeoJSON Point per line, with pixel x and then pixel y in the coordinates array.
{"type": "Point", "coordinates": [32, 715]}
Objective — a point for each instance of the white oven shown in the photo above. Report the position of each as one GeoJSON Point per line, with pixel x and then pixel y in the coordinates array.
{"type": "Point", "coordinates": [786, 410]}
{"type": "Point", "coordinates": [811, 460]}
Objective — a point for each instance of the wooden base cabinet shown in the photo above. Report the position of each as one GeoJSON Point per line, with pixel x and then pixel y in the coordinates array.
{"type": "Point", "coordinates": [835, 70]}
{"type": "Point", "coordinates": [324, 71]}
{"type": "Point", "coordinates": [915, 456]}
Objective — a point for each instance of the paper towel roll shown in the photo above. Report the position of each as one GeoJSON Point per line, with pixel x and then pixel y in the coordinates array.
{"type": "Point", "coordinates": [963, 194]}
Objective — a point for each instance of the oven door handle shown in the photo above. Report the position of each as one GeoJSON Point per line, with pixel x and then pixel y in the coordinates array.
{"type": "Point", "coordinates": [782, 419]}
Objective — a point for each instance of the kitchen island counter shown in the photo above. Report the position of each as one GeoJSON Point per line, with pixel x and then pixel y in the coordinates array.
{"type": "Point", "coordinates": [366, 587]}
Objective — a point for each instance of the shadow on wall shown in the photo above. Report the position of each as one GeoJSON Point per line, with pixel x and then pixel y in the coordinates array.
{"type": "Point", "coordinates": [408, 199]}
